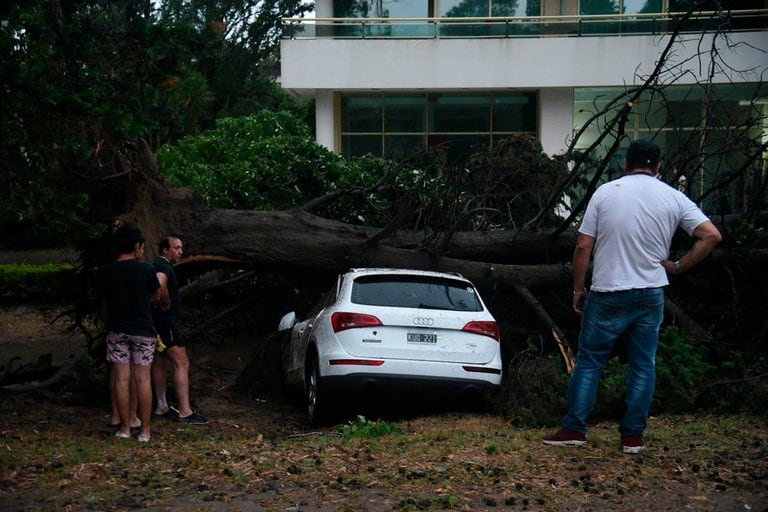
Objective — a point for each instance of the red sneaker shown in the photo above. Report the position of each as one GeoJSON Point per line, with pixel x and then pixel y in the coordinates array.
{"type": "Point", "coordinates": [632, 444]}
{"type": "Point", "coordinates": [565, 438]}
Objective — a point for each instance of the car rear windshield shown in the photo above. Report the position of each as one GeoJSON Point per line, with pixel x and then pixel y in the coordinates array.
{"type": "Point", "coordinates": [415, 292]}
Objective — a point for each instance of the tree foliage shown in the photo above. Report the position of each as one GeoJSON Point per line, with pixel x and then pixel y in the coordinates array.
{"type": "Point", "coordinates": [269, 161]}
{"type": "Point", "coordinates": [76, 74]}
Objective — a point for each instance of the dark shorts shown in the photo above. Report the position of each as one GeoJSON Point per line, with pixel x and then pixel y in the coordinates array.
{"type": "Point", "coordinates": [169, 331]}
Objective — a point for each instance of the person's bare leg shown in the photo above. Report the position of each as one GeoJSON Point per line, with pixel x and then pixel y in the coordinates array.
{"type": "Point", "coordinates": [122, 373]}
{"type": "Point", "coordinates": [134, 400]}
{"type": "Point", "coordinates": [180, 364]}
{"type": "Point", "coordinates": [143, 378]}
{"type": "Point", "coordinates": [159, 378]}
{"type": "Point", "coordinates": [115, 420]}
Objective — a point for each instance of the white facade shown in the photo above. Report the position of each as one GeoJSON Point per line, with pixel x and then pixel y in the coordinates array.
{"type": "Point", "coordinates": [550, 66]}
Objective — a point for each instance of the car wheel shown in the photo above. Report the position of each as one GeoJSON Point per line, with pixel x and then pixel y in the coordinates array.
{"type": "Point", "coordinates": [315, 399]}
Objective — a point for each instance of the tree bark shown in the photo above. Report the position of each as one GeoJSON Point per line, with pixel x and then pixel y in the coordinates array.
{"type": "Point", "coordinates": [286, 240]}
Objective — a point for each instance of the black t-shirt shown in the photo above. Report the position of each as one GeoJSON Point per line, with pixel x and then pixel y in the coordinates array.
{"type": "Point", "coordinates": [163, 265]}
{"type": "Point", "coordinates": [127, 286]}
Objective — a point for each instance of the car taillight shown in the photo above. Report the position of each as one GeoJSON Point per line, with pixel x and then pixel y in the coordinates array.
{"type": "Point", "coordinates": [343, 321]}
{"type": "Point", "coordinates": [484, 328]}
{"type": "Point", "coordinates": [482, 369]}
{"type": "Point", "coordinates": [356, 362]}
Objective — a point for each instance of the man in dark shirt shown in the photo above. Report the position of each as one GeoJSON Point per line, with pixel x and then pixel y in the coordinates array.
{"type": "Point", "coordinates": [125, 289]}
{"type": "Point", "coordinates": [175, 355]}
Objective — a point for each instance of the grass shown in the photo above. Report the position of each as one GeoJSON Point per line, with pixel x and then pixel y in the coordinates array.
{"type": "Point", "coordinates": [364, 428]}
{"type": "Point", "coordinates": [56, 457]}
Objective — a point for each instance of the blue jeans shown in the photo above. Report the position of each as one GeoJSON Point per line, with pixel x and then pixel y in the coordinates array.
{"type": "Point", "coordinates": [606, 316]}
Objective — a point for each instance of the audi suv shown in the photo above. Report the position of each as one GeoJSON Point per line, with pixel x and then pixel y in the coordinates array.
{"type": "Point", "coordinates": [387, 329]}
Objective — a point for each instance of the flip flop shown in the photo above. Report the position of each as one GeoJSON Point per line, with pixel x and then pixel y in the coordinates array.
{"type": "Point", "coordinates": [120, 435]}
{"type": "Point", "coordinates": [111, 424]}
{"type": "Point", "coordinates": [144, 439]}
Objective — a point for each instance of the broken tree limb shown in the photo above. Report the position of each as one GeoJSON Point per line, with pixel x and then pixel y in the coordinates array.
{"type": "Point", "coordinates": [68, 365]}
{"type": "Point", "coordinates": [687, 325]}
{"type": "Point", "coordinates": [557, 334]}
{"type": "Point", "coordinates": [224, 314]}
{"type": "Point", "coordinates": [565, 352]}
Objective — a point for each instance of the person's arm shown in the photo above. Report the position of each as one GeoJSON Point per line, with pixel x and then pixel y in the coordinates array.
{"type": "Point", "coordinates": [581, 256]}
{"type": "Point", "coordinates": [161, 297]}
{"type": "Point", "coordinates": [707, 237]}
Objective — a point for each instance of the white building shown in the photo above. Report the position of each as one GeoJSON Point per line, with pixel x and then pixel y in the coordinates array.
{"type": "Point", "coordinates": [392, 75]}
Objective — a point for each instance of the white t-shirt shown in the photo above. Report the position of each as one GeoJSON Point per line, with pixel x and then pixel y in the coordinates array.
{"type": "Point", "coordinates": [633, 219]}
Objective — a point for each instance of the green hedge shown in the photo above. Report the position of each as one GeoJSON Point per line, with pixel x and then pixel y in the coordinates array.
{"type": "Point", "coordinates": [47, 283]}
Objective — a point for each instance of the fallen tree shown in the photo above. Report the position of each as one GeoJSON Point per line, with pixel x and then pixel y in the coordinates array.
{"type": "Point", "coordinates": [509, 263]}
{"type": "Point", "coordinates": [297, 241]}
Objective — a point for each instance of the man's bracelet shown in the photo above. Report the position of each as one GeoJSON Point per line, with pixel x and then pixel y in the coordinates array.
{"type": "Point", "coordinates": [677, 265]}
{"type": "Point", "coordinates": [579, 293]}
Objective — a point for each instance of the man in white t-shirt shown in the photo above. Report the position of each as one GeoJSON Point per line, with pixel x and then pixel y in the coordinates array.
{"type": "Point", "coordinates": [628, 227]}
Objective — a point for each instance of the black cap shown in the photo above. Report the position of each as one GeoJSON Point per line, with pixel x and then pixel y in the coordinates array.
{"type": "Point", "coordinates": [643, 154]}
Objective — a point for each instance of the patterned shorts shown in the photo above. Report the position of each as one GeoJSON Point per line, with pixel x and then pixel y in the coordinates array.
{"type": "Point", "coordinates": [125, 348]}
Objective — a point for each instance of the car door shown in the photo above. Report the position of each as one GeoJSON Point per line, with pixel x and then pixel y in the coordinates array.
{"type": "Point", "coordinates": [302, 336]}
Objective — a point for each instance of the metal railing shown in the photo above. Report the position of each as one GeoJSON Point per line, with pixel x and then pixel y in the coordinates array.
{"type": "Point", "coordinates": [515, 27]}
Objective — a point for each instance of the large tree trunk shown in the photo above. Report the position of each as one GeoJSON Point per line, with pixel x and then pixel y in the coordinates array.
{"type": "Point", "coordinates": [284, 240]}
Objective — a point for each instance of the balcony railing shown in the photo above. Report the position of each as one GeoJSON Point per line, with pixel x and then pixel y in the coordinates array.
{"type": "Point", "coordinates": [528, 26]}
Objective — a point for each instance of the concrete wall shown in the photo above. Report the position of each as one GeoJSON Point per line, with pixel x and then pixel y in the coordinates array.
{"type": "Point", "coordinates": [555, 119]}
{"type": "Point", "coordinates": [325, 120]}
{"type": "Point", "coordinates": [333, 64]}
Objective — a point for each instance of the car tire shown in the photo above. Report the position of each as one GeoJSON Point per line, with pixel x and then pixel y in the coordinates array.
{"type": "Point", "coordinates": [315, 399]}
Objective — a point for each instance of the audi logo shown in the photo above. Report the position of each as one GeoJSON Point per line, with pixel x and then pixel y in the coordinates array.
{"type": "Point", "coordinates": [423, 321]}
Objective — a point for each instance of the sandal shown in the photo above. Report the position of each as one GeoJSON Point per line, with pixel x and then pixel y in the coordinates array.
{"type": "Point", "coordinates": [133, 425]}
{"type": "Point", "coordinates": [144, 439]}
{"type": "Point", "coordinates": [121, 435]}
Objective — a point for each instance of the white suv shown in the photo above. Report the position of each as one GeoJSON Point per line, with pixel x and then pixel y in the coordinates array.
{"type": "Point", "coordinates": [392, 327]}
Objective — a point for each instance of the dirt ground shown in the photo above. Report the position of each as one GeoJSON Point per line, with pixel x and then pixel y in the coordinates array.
{"type": "Point", "coordinates": [257, 454]}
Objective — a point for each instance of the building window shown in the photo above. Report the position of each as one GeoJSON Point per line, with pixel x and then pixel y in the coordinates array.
{"type": "Point", "coordinates": [706, 134]}
{"type": "Point", "coordinates": [715, 5]}
{"type": "Point", "coordinates": [620, 6]}
{"type": "Point", "coordinates": [397, 125]}
{"type": "Point", "coordinates": [381, 9]}
{"type": "Point", "coordinates": [428, 8]}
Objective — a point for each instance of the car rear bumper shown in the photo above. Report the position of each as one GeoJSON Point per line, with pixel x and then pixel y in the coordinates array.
{"type": "Point", "coordinates": [394, 372]}
{"type": "Point", "coordinates": [378, 382]}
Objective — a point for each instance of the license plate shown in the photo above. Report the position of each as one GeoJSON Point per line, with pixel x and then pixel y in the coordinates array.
{"type": "Point", "coordinates": [418, 337]}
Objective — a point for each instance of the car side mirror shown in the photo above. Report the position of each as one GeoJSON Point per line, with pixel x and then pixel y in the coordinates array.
{"type": "Point", "coordinates": [287, 322]}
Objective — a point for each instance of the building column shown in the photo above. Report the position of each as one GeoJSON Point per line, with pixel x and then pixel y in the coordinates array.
{"type": "Point", "coordinates": [324, 119]}
{"type": "Point", "coordinates": [324, 9]}
{"type": "Point", "coordinates": [556, 108]}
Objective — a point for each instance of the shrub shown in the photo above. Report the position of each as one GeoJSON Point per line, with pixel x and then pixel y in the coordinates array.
{"type": "Point", "coordinates": [86, 383]}
{"type": "Point", "coordinates": [47, 283]}
{"type": "Point", "coordinates": [534, 390]}
{"type": "Point", "coordinates": [269, 161]}
{"type": "Point", "coordinates": [681, 372]}
{"type": "Point", "coordinates": [742, 386]}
